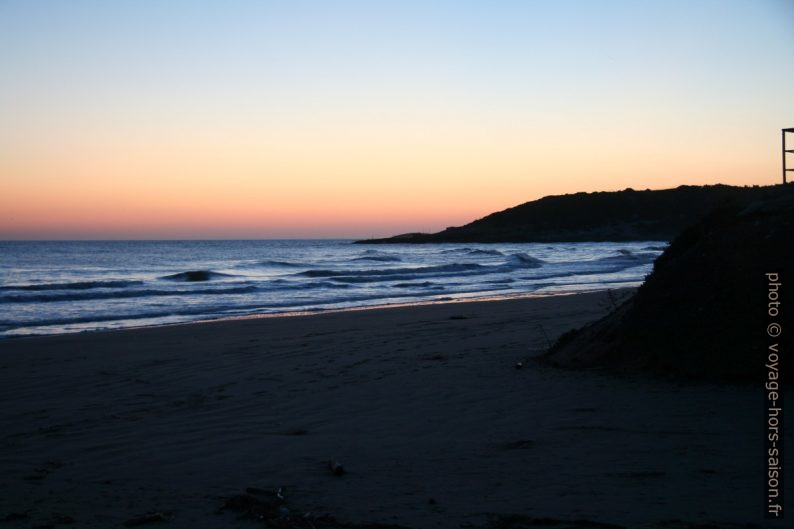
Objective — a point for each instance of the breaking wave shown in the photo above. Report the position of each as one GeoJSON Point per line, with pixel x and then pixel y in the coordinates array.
{"type": "Point", "coordinates": [195, 275]}
{"type": "Point", "coordinates": [77, 285]}
{"type": "Point", "coordinates": [379, 258]}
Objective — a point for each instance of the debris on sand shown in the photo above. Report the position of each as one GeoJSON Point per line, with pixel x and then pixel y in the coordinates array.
{"type": "Point", "coordinates": [336, 468]}
{"type": "Point", "coordinates": [150, 517]}
{"type": "Point", "coordinates": [270, 508]}
{"type": "Point", "coordinates": [258, 506]}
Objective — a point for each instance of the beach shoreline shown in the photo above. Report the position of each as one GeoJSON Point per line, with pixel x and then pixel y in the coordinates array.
{"type": "Point", "coordinates": [622, 290]}
{"type": "Point", "coordinates": [423, 405]}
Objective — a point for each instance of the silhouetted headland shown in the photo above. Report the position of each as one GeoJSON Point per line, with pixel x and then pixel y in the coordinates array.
{"type": "Point", "coordinates": [702, 312]}
{"type": "Point", "coordinates": [626, 215]}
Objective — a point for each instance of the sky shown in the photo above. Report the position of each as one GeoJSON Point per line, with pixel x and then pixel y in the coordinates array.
{"type": "Point", "coordinates": [297, 119]}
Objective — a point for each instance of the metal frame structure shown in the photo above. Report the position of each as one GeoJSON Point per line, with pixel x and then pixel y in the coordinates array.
{"type": "Point", "coordinates": [786, 169]}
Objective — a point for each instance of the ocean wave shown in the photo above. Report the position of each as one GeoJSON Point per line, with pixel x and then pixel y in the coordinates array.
{"type": "Point", "coordinates": [455, 267]}
{"type": "Point", "coordinates": [522, 260]}
{"type": "Point", "coordinates": [379, 258]}
{"type": "Point", "coordinates": [195, 275]}
{"type": "Point", "coordinates": [123, 294]}
{"type": "Point", "coordinates": [264, 287]}
{"type": "Point", "coordinates": [277, 285]}
{"type": "Point", "coordinates": [471, 251]}
{"type": "Point", "coordinates": [423, 284]}
{"type": "Point", "coordinates": [77, 285]}
{"type": "Point", "coordinates": [99, 319]}
{"type": "Point", "coordinates": [513, 262]}
{"type": "Point", "coordinates": [626, 256]}
{"type": "Point", "coordinates": [324, 284]}
{"type": "Point", "coordinates": [604, 265]}
{"type": "Point", "coordinates": [478, 251]}
{"type": "Point", "coordinates": [267, 263]}
{"type": "Point", "coordinates": [271, 262]}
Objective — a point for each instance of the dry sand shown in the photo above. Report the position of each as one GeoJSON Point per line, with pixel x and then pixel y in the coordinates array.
{"type": "Point", "coordinates": [416, 402]}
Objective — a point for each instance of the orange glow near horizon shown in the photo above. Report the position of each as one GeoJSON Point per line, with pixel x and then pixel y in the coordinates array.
{"type": "Point", "coordinates": [359, 188]}
{"type": "Point", "coordinates": [116, 125]}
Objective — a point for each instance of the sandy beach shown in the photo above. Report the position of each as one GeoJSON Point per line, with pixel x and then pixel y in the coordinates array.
{"type": "Point", "coordinates": [423, 405]}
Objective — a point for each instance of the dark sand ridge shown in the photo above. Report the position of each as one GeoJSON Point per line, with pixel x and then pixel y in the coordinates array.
{"type": "Point", "coordinates": [416, 402]}
{"type": "Point", "coordinates": [703, 312]}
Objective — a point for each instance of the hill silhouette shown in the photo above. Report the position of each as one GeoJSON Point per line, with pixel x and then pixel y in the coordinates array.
{"type": "Point", "coordinates": [702, 312]}
{"type": "Point", "coordinates": [600, 216]}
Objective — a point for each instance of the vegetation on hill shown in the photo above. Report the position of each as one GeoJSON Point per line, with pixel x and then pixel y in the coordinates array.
{"type": "Point", "coordinates": [602, 216]}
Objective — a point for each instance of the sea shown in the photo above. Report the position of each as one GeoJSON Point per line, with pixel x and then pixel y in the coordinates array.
{"type": "Point", "coordinates": [55, 287]}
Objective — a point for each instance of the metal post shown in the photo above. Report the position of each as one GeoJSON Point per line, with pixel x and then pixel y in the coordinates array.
{"type": "Point", "coordinates": [785, 151]}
